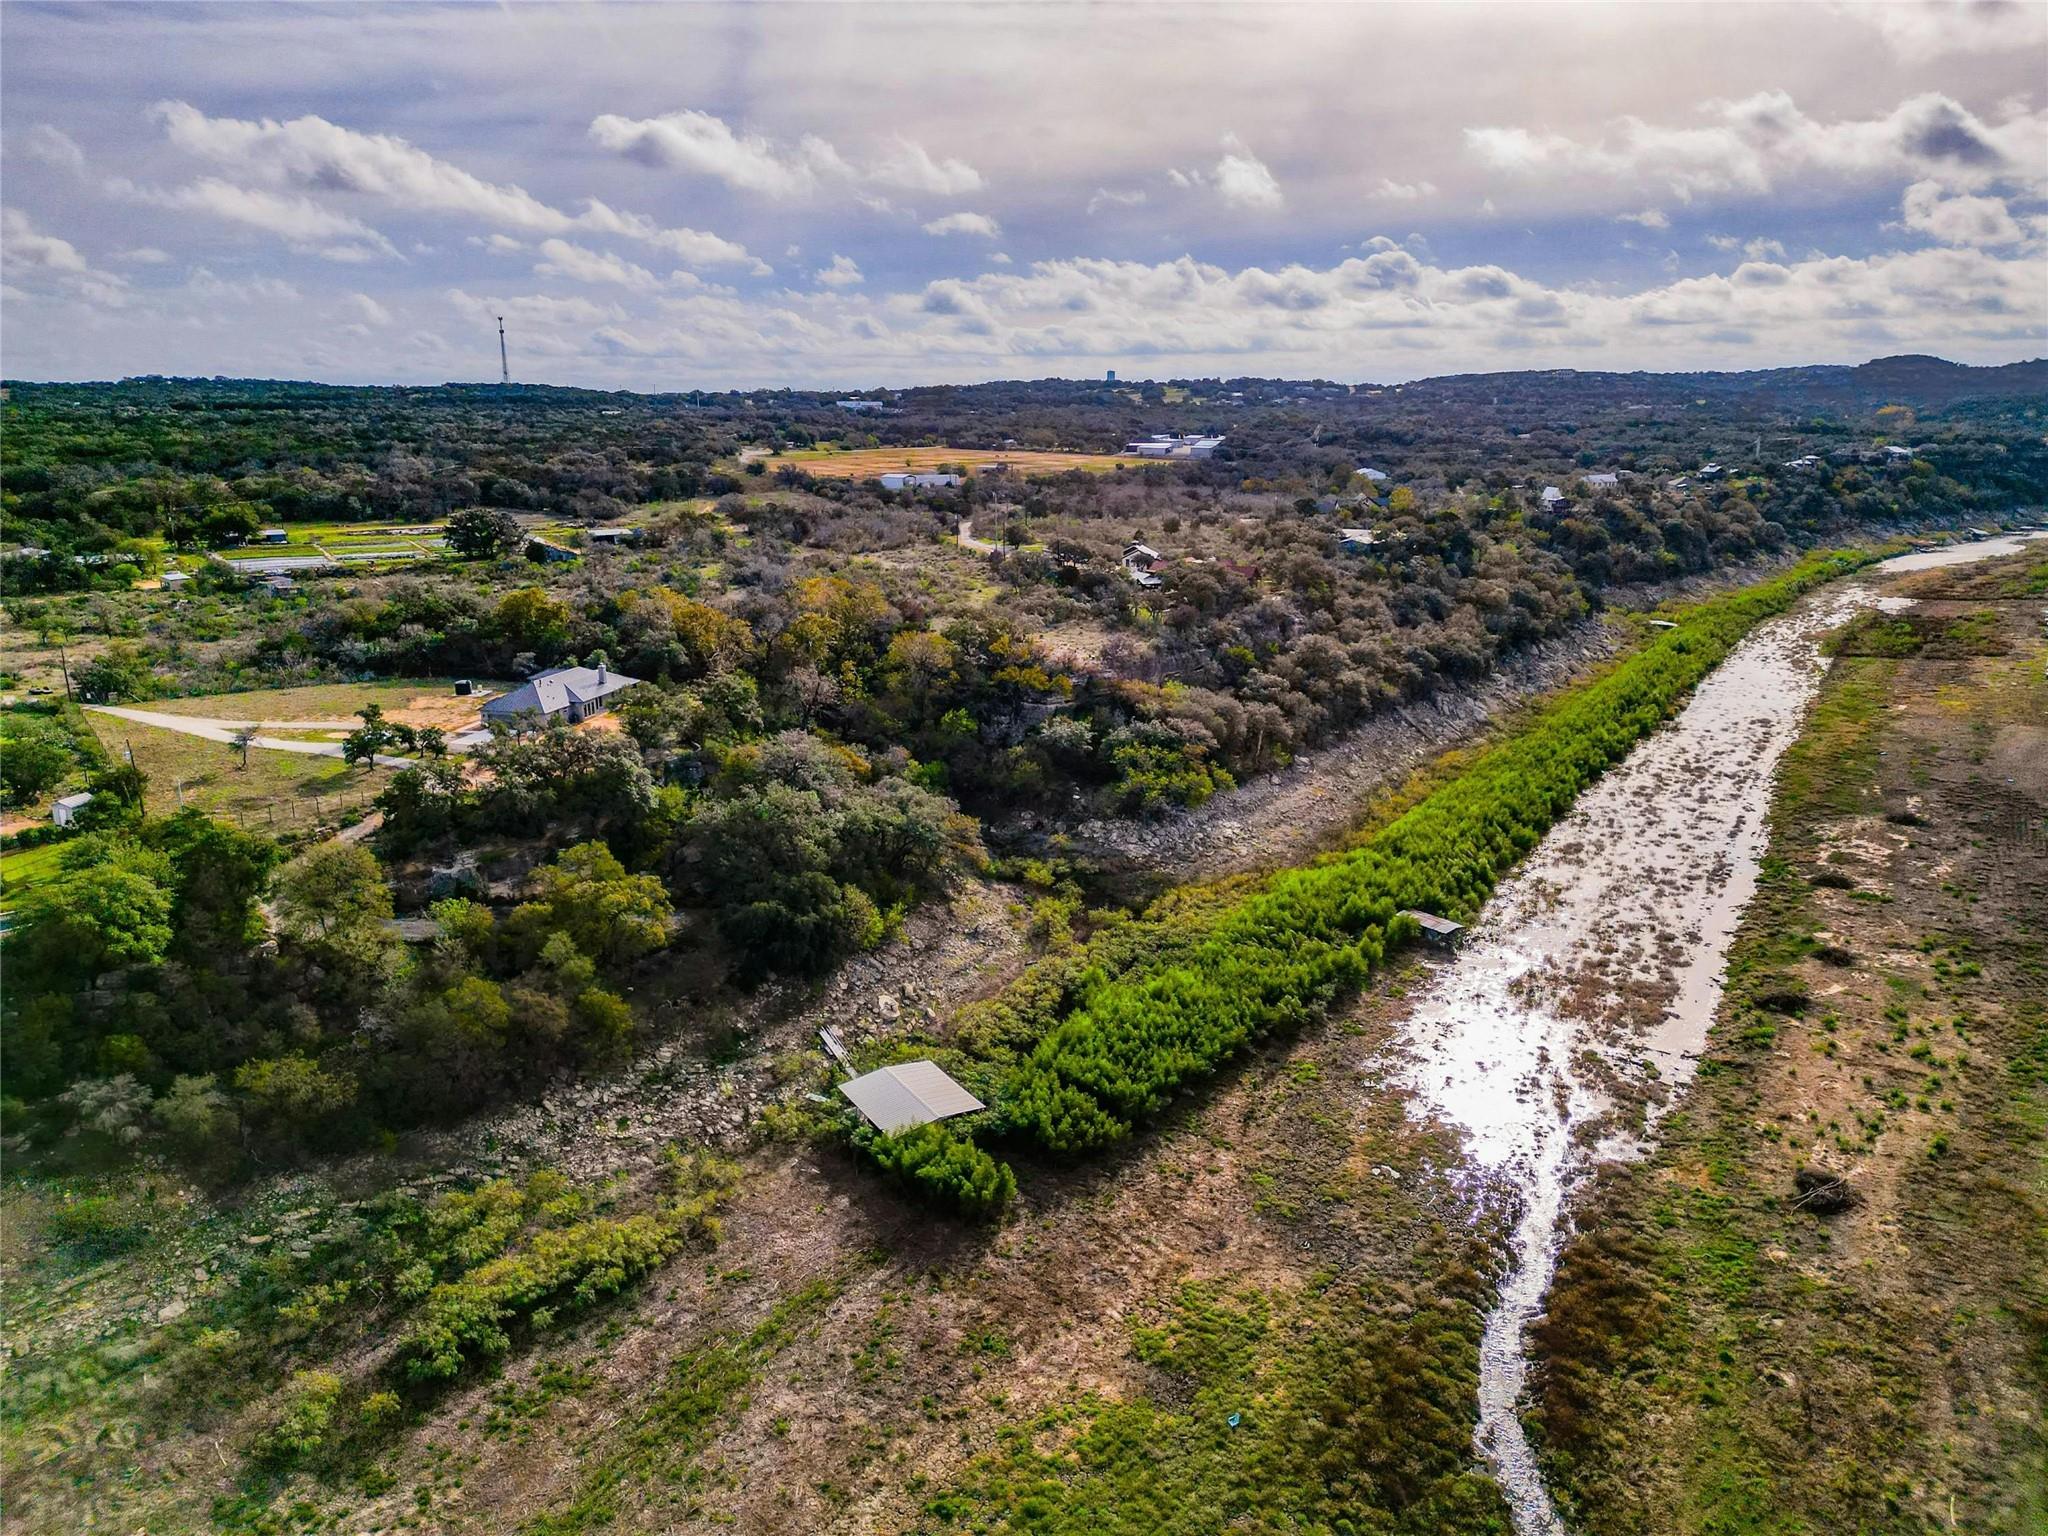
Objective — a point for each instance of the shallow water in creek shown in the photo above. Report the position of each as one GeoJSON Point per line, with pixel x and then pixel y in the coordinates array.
{"type": "Point", "coordinates": [1579, 1005]}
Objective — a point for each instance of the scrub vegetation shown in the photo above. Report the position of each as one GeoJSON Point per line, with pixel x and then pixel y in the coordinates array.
{"type": "Point", "coordinates": [1125, 1045]}
{"type": "Point", "coordinates": [452, 1145]}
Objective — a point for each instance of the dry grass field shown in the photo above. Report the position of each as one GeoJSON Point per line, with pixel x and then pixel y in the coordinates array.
{"type": "Point", "coordinates": [278, 792]}
{"type": "Point", "coordinates": [866, 463]}
{"type": "Point", "coordinates": [410, 701]}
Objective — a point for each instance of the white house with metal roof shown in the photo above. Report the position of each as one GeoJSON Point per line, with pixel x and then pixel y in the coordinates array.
{"type": "Point", "coordinates": [568, 693]}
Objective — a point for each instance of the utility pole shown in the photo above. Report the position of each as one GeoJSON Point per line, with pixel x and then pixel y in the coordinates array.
{"type": "Point", "coordinates": [504, 361]}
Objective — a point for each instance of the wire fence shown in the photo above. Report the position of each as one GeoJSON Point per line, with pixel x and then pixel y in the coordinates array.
{"type": "Point", "coordinates": [295, 816]}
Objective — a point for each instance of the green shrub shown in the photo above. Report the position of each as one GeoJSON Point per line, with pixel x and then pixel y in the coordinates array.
{"type": "Point", "coordinates": [98, 1226]}
{"type": "Point", "coordinates": [946, 1169]}
{"type": "Point", "coordinates": [301, 1428]}
{"type": "Point", "coordinates": [470, 1315]}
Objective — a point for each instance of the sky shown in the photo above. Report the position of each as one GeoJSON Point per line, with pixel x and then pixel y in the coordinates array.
{"type": "Point", "coordinates": [856, 195]}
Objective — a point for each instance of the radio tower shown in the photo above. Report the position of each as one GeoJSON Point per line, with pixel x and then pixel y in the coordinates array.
{"type": "Point", "coordinates": [504, 364]}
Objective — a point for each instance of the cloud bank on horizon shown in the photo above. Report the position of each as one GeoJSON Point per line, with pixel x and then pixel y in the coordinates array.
{"type": "Point", "coordinates": [663, 198]}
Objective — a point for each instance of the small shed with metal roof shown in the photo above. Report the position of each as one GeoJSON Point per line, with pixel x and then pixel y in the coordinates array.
{"type": "Point", "coordinates": [1438, 930]}
{"type": "Point", "coordinates": [909, 1093]}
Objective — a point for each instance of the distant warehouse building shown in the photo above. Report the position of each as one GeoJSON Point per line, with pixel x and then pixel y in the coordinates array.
{"type": "Point", "coordinates": [566, 693]}
{"type": "Point", "coordinates": [899, 480]}
{"type": "Point", "coordinates": [1164, 445]}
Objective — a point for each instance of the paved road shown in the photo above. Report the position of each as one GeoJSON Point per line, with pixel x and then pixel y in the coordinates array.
{"type": "Point", "coordinates": [223, 731]}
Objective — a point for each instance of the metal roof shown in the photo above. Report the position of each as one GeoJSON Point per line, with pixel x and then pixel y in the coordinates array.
{"type": "Point", "coordinates": [1431, 923]}
{"type": "Point", "coordinates": [552, 692]}
{"type": "Point", "coordinates": [909, 1093]}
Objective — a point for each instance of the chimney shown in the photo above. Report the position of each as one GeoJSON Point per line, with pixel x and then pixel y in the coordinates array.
{"type": "Point", "coordinates": [600, 672]}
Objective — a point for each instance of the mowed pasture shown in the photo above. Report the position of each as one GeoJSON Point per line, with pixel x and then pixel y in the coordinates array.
{"type": "Point", "coordinates": [867, 463]}
{"type": "Point", "coordinates": [24, 869]}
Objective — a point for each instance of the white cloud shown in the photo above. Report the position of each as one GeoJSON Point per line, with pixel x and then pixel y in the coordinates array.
{"type": "Point", "coordinates": [540, 310]}
{"type": "Point", "coordinates": [1242, 179]}
{"type": "Point", "coordinates": [1821, 307]}
{"type": "Point", "coordinates": [1403, 191]}
{"type": "Point", "coordinates": [844, 272]}
{"type": "Point", "coordinates": [1934, 27]}
{"type": "Point", "coordinates": [910, 166]}
{"type": "Point", "coordinates": [29, 255]}
{"type": "Point", "coordinates": [691, 245]}
{"type": "Point", "coordinates": [1751, 144]}
{"type": "Point", "coordinates": [53, 146]}
{"type": "Point", "coordinates": [689, 140]}
{"type": "Point", "coordinates": [371, 311]}
{"type": "Point", "coordinates": [203, 283]}
{"type": "Point", "coordinates": [312, 155]}
{"type": "Point", "coordinates": [1000, 258]}
{"type": "Point", "coordinates": [965, 224]}
{"type": "Point", "coordinates": [1756, 248]}
{"type": "Point", "coordinates": [1649, 218]}
{"type": "Point", "coordinates": [309, 227]}
{"type": "Point", "coordinates": [578, 263]}
{"type": "Point", "coordinates": [1962, 219]}
{"type": "Point", "coordinates": [699, 142]}
{"type": "Point", "coordinates": [1112, 197]}
{"type": "Point", "coordinates": [144, 256]}
{"type": "Point", "coordinates": [25, 245]}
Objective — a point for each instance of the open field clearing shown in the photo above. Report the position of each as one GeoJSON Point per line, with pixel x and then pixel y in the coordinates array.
{"type": "Point", "coordinates": [343, 543]}
{"type": "Point", "coordinates": [866, 463]}
{"type": "Point", "coordinates": [410, 701]}
{"type": "Point", "coordinates": [22, 871]}
{"type": "Point", "coordinates": [286, 790]}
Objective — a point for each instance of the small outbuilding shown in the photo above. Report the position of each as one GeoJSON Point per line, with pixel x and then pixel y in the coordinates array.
{"type": "Point", "coordinates": [1356, 540]}
{"type": "Point", "coordinates": [65, 812]}
{"type": "Point", "coordinates": [547, 552]}
{"type": "Point", "coordinates": [909, 1093]}
{"type": "Point", "coordinates": [1438, 930]}
{"type": "Point", "coordinates": [905, 480]}
{"type": "Point", "coordinates": [274, 536]}
{"type": "Point", "coordinates": [172, 580]}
